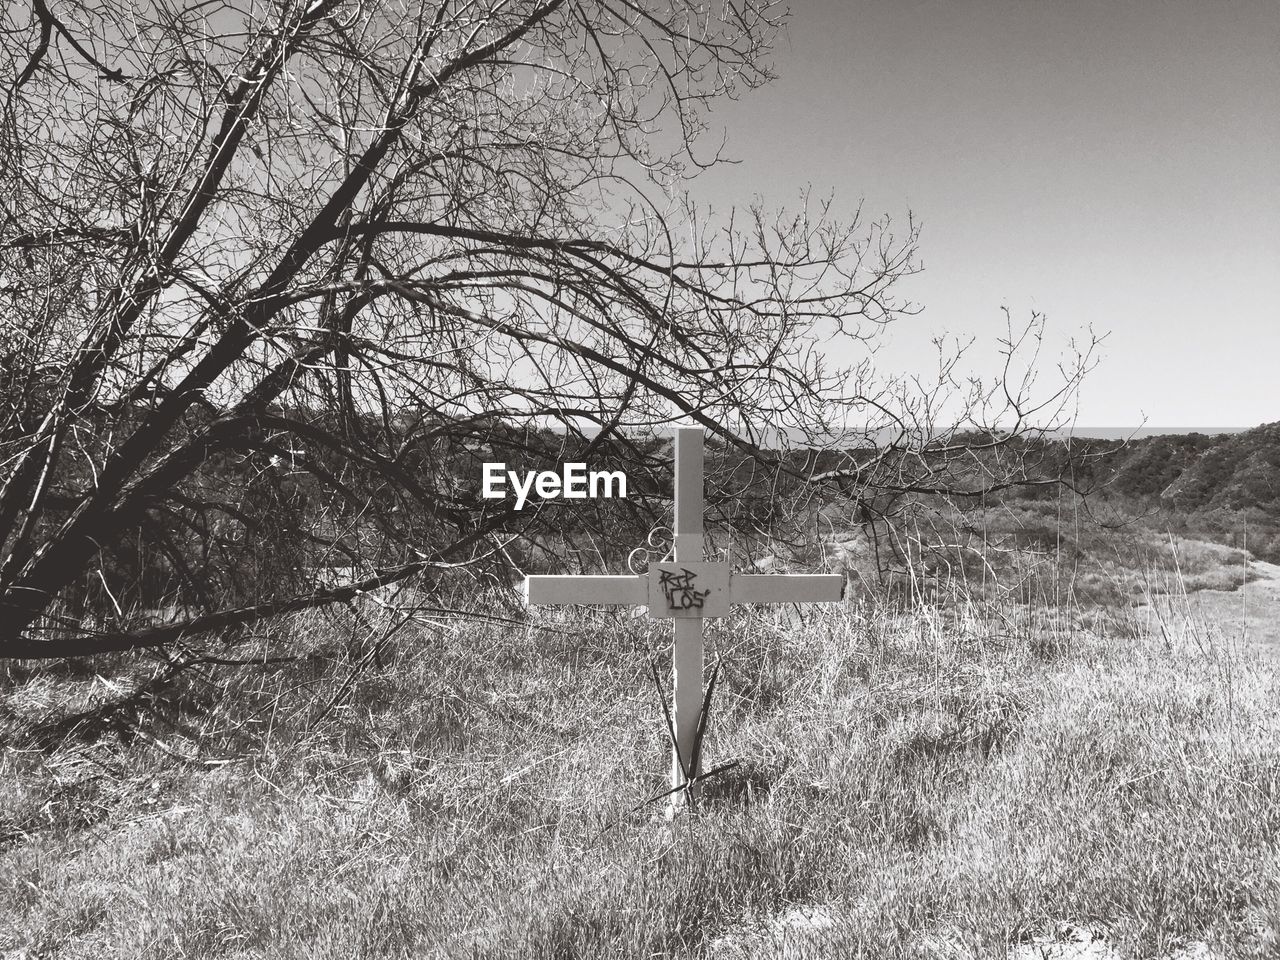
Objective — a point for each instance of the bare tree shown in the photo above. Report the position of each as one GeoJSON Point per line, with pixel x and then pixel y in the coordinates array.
{"type": "Point", "coordinates": [267, 265]}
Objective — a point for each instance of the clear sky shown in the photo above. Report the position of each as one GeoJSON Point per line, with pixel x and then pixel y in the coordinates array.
{"type": "Point", "coordinates": [1108, 162]}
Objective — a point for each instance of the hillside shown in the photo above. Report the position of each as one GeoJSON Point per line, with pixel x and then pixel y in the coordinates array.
{"type": "Point", "coordinates": [1224, 488]}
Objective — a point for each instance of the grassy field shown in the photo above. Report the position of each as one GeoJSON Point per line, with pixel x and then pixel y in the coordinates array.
{"type": "Point", "coordinates": [957, 780]}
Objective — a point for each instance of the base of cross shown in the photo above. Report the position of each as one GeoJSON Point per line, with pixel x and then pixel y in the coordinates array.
{"type": "Point", "coordinates": [686, 590]}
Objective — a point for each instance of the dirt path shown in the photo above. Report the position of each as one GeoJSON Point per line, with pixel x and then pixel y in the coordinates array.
{"type": "Point", "coordinates": [1252, 610]}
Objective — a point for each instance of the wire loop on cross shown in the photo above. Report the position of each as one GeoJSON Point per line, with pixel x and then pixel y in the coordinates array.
{"type": "Point", "coordinates": [639, 559]}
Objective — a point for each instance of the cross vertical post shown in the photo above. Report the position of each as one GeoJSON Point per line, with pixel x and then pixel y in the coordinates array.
{"type": "Point", "coordinates": [687, 653]}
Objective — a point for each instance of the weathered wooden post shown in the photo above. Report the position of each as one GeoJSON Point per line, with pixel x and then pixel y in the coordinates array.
{"type": "Point", "coordinates": [687, 590]}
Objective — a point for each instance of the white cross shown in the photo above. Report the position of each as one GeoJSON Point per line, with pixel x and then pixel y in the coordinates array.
{"type": "Point", "coordinates": [687, 590]}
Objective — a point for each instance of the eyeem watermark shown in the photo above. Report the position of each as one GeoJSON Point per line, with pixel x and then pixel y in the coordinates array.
{"type": "Point", "coordinates": [574, 483]}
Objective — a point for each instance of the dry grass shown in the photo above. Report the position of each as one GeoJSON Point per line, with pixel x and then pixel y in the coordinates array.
{"type": "Point", "coordinates": [1073, 560]}
{"type": "Point", "coordinates": [949, 781]}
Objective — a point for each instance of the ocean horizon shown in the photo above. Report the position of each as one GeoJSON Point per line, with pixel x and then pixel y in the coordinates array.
{"type": "Point", "coordinates": [1120, 433]}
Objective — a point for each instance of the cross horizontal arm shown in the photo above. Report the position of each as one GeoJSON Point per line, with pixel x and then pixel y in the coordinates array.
{"type": "Point", "coordinates": [634, 590]}
{"type": "Point", "coordinates": [551, 589]}
{"type": "Point", "coordinates": [786, 588]}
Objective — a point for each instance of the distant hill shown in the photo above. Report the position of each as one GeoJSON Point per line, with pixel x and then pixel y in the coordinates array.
{"type": "Point", "coordinates": [1224, 488]}
{"type": "Point", "coordinates": [1234, 473]}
